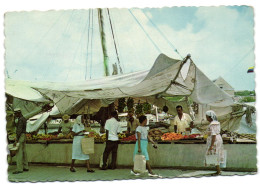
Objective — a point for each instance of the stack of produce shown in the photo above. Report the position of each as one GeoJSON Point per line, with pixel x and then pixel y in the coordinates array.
{"type": "Point", "coordinates": [155, 134]}
{"type": "Point", "coordinates": [29, 137]}
{"type": "Point", "coordinates": [92, 133]}
{"type": "Point", "coordinates": [103, 138]}
{"type": "Point", "coordinates": [248, 136]}
{"type": "Point", "coordinates": [121, 136]}
{"type": "Point", "coordinates": [62, 136]}
{"type": "Point", "coordinates": [129, 138]}
{"type": "Point", "coordinates": [171, 136]}
{"type": "Point", "coordinates": [192, 136]}
{"type": "Point", "coordinates": [97, 137]}
{"type": "Point", "coordinates": [44, 137]}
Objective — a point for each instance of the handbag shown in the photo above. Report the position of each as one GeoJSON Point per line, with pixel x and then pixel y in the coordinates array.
{"type": "Point", "coordinates": [211, 159]}
{"type": "Point", "coordinates": [139, 163]}
{"type": "Point", "coordinates": [13, 149]}
{"type": "Point", "coordinates": [223, 164]}
{"type": "Point", "coordinates": [87, 145]}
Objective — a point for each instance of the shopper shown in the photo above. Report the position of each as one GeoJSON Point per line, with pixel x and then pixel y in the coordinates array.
{"type": "Point", "coordinates": [21, 155]}
{"type": "Point", "coordinates": [142, 143]}
{"type": "Point", "coordinates": [77, 154]}
{"type": "Point", "coordinates": [112, 129]}
{"type": "Point", "coordinates": [214, 140]}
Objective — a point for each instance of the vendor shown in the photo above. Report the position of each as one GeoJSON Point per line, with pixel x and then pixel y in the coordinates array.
{"type": "Point", "coordinates": [132, 123]}
{"type": "Point", "coordinates": [65, 126]}
{"type": "Point", "coordinates": [182, 122]}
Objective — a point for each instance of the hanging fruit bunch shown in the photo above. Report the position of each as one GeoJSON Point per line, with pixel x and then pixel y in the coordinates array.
{"type": "Point", "coordinates": [130, 104]}
{"type": "Point", "coordinates": [147, 108]}
{"type": "Point", "coordinates": [139, 109]}
{"type": "Point", "coordinates": [121, 104]}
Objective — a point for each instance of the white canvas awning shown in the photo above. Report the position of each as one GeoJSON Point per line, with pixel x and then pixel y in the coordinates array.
{"type": "Point", "coordinates": [167, 77]}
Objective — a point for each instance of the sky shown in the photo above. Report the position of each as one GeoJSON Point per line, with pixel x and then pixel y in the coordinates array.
{"type": "Point", "coordinates": [62, 46]}
{"type": "Point", "coordinates": [190, 31]}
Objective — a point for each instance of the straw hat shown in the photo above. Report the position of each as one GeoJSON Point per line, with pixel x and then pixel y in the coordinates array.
{"type": "Point", "coordinates": [65, 117]}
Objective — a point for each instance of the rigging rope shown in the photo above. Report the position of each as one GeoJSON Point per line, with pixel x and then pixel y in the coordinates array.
{"type": "Point", "coordinates": [114, 41]}
{"type": "Point", "coordinates": [145, 31]}
{"type": "Point", "coordinates": [91, 44]}
{"type": "Point", "coordinates": [81, 38]}
{"type": "Point", "coordinates": [117, 42]}
{"type": "Point", "coordinates": [238, 63]}
{"type": "Point", "coordinates": [60, 41]}
{"type": "Point", "coordinates": [174, 48]}
{"type": "Point", "coordinates": [87, 46]}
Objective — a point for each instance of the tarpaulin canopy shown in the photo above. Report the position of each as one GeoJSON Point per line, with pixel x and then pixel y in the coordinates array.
{"type": "Point", "coordinates": [167, 77]}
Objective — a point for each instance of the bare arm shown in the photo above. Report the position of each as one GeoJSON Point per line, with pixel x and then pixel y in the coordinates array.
{"type": "Point", "coordinates": [175, 128]}
{"type": "Point", "coordinates": [191, 124]}
{"type": "Point", "coordinates": [107, 134]}
{"type": "Point", "coordinates": [150, 139]}
{"type": "Point", "coordinates": [75, 134]}
{"type": "Point", "coordinates": [139, 141]}
{"type": "Point", "coordinates": [212, 142]}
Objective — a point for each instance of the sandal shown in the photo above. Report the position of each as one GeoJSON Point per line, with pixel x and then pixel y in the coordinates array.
{"type": "Point", "coordinates": [91, 170]}
{"type": "Point", "coordinates": [72, 169]}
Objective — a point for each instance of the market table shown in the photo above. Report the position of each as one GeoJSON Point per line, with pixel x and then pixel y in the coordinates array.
{"type": "Point", "coordinates": [170, 154]}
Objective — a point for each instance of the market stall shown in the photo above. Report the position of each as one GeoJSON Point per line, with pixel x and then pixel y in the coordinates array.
{"type": "Point", "coordinates": [174, 150]}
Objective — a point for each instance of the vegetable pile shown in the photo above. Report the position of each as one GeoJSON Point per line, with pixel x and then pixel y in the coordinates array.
{"type": "Point", "coordinates": [171, 136]}
{"type": "Point", "coordinates": [192, 136]}
{"type": "Point", "coordinates": [130, 138]}
{"type": "Point", "coordinates": [155, 134]}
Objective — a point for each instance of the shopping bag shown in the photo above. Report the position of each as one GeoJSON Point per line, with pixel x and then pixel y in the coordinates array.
{"type": "Point", "coordinates": [87, 145]}
{"type": "Point", "coordinates": [223, 162]}
{"type": "Point", "coordinates": [212, 159]}
{"type": "Point", "coordinates": [139, 163]}
{"type": "Point", "coordinates": [13, 149]}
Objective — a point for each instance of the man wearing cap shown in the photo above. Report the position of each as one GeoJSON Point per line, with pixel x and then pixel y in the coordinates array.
{"type": "Point", "coordinates": [21, 155]}
{"type": "Point", "coordinates": [65, 126]}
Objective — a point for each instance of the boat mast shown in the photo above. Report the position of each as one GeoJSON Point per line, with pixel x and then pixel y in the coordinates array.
{"type": "Point", "coordinates": [103, 41]}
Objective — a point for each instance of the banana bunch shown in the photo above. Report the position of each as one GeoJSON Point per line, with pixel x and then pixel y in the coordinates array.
{"type": "Point", "coordinates": [121, 135]}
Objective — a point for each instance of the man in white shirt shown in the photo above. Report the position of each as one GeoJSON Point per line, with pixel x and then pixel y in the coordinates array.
{"type": "Point", "coordinates": [182, 122]}
{"type": "Point", "coordinates": [112, 129]}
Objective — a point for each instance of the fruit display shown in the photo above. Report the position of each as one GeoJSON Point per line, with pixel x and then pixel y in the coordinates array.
{"type": "Point", "coordinates": [192, 136]}
{"type": "Point", "coordinates": [121, 136]}
{"type": "Point", "coordinates": [97, 137]}
{"type": "Point", "coordinates": [129, 138]}
{"type": "Point", "coordinates": [62, 136]}
{"type": "Point", "coordinates": [171, 136]}
{"type": "Point", "coordinates": [155, 134]}
{"type": "Point", "coordinates": [30, 137]}
{"type": "Point", "coordinates": [248, 136]}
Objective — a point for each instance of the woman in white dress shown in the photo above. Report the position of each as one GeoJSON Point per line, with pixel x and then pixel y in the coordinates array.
{"type": "Point", "coordinates": [214, 140]}
{"type": "Point", "coordinates": [77, 154]}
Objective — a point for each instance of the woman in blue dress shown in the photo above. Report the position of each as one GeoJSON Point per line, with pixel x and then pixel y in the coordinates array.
{"type": "Point", "coordinates": [142, 143]}
{"type": "Point", "coordinates": [77, 154]}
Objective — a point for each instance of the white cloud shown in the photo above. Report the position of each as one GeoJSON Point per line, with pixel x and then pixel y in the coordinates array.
{"type": "Point", "coordinates": [225, 36]}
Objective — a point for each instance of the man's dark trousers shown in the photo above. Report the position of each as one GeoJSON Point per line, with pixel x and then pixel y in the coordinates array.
{"type": "Point", "coordinates": [110, 146]}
